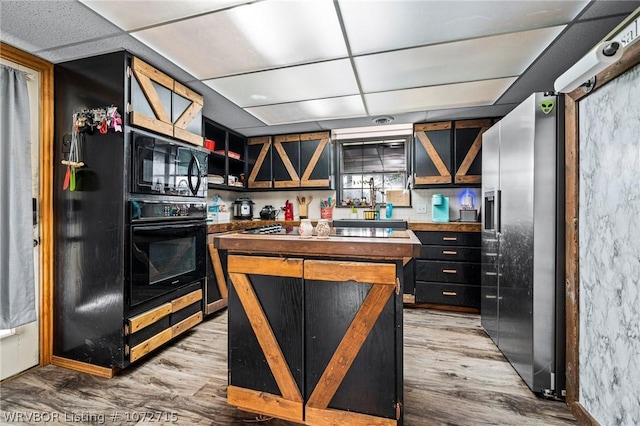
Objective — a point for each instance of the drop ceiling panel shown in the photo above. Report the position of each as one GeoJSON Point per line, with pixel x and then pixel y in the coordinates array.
{"type": "Point", "coordinates": [251, 37]}
{"type": "Point", "coordinates": [500, 56]}
{"type": "Point", "coordinates": [37, 25]}
{"type": "Point", "coordinates": [130, 15]}
{"type": "Point", "coordinates": [321, 109]}
{"type": "Point", "coordinates": [438, 97]}
{"type": "Point", "coordinates": [385, 25]}
{"type": "Point", "coordinates": [321, 80]}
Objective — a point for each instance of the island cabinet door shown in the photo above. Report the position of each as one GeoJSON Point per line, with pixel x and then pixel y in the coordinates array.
{"type": "Point", "coordinates": [353, 343]}
{"type": "Point", "coordinates": [259, 159]}
{"type": "Point", "coordinates": [266, 335]}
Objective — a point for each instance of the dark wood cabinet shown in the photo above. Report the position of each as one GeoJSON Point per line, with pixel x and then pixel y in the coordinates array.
{"type": "Point", "coordinates": [467, 150]}
{"type": "Point", "coordinates": [163, 105]}
{"type": "Point", "coordinates": [432, 153]}
{"type": "Point", "coordinates": [290, 161]}
{"type": "Point", "coordinates": [259, 163]}
{"type": "Point", "coordinates": [227, 161]}
{"type": "Point", "coordinates": [449, 153]}
{"type": "Point", "coordinates": [97, 329]}
{"type": "Point", "coordinates": [448, 269]}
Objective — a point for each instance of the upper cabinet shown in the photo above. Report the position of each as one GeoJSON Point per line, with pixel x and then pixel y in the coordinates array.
{"type": "Point", "coordinates": [163, 105]}
{"type": "Point", "coordinates": [259, 162]}
{"type": "Point", "coordinates": [449, 153]}
{"type": "Point", "coordinates": [227, 160]}
{"type": "Point", "coordinates": [290, 161]}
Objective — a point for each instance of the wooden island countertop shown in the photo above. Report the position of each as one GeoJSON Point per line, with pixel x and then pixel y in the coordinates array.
{"type": "Point", "coordinates": [401, 244]}
{"type": "Point", "coordinates": [239, 225]}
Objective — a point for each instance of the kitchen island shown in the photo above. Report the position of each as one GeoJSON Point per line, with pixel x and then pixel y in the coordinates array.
{"type": "Point", "coordinates": [315, 325]}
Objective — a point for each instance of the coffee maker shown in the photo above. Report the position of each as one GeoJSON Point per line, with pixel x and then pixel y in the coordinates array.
{"type": "Point", "coordinates": [439, 208]}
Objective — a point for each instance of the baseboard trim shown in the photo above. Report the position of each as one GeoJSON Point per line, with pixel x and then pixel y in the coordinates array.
{"type": "Point", "coordinates": [582, 415]}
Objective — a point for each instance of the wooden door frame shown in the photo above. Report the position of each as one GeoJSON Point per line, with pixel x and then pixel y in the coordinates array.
{"type": "Point", "coordinates": [45, 69]}
{"type": "Point", "coordinates": [630, 58]}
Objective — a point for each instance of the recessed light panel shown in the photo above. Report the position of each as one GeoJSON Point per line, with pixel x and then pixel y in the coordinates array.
{"type": "Point", "coordinates": [438, 97]}
{"type": "Point", "coordinates": [321, 80]}
{"type": "Point", "coordinates": [476, 59]}
{"type": "Point", "coordinates": [374, 26]}
{"type": "Point", "coordinates": [321, 109]}
{"type": "Point", "coordinates": [252, 37]}
{"type": "Point", "coordinates": [130, 15]}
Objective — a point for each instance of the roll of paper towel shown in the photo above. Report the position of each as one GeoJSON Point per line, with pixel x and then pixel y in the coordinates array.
{"type": "Point", "coordinates": [591, 64]}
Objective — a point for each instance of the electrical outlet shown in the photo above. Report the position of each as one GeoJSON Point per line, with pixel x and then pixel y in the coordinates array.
{"type": "Point", "coordinates": [422, 208]}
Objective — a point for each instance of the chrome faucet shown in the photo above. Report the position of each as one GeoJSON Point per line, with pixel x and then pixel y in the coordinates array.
{"type": "Point", "coordinates": [372, 194]}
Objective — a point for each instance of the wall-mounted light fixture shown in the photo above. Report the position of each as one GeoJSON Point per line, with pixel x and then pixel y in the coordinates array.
{"type": "Point", "coordinates": [591, 64]}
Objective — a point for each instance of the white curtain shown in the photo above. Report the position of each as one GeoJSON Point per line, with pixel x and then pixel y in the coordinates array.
{"type": "Point", "coordinates": [17, 293]}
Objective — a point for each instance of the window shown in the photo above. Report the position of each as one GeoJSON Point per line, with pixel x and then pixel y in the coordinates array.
{"type": "Point", "coordinates": [381, 161]}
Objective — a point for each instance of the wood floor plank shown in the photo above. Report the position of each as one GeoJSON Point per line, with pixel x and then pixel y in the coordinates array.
{"type": "Point", "coordinates": [453, 375]}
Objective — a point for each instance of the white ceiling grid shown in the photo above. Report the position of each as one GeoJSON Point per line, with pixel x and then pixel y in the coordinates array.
{"type": "Point", "coordinates": [291, 61]}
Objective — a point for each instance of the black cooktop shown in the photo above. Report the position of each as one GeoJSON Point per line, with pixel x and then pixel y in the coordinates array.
{"type": "Point", "coordinates": [277, 229]}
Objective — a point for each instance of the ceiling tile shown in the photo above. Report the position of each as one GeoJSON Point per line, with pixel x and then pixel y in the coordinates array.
{"type": "Point", "coordinates": [437, 97]}
{"type": "Point", "coordinates": [500, 56]}
{"type": "Point", "coordinates": [267, 34]}
{"type": "Point", "coordinates": [321, 109]}
{"type": "Point", "coordinates": [36, 25]}
{"type": "Point", "coordinates": [320, 80]}
{"type": "Point", "coordinates": [130, 15]}
{"type": "Point", "coordinates": [374, 26]}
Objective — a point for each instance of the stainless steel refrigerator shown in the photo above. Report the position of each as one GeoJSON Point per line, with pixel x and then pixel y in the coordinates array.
{"type": "Point", "coordinates": [523, 290]}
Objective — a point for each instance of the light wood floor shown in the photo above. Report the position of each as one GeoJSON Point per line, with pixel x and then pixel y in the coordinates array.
{"type": "Point", "coordinates": [453, 375]}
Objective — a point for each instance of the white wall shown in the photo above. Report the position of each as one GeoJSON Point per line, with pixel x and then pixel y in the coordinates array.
{"type": "Point", "coordinates": [609, 361]}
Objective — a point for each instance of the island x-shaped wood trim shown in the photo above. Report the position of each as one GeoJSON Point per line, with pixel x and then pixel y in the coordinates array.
{"type": "Point", "coordinates": [265, 141]}
{"type": "Point", "coordinates": [382, 278]}
{"type": "Point", "coordinates": [363, 322]}
{"type": "Point", "coordinates": [313, 162]}
{"type": "Point", "coordinates": [461, 173]}
{"type": "Point", "coordinates": [445, 174]}
{"type": "Point", "coordinates": [239, 267]}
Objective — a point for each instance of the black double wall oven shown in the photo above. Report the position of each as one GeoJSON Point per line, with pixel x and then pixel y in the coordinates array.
{"type": "Point", "coordinates": [167, 219]}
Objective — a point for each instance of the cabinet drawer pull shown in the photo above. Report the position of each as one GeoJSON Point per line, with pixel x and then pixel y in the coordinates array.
{"type": "Point", "coordinates": [449, 238]}
{"type": "Point", "coordinates": [449, 252]}
{"type": "Point", "coordinates": [449, 293]}
{"type": "Point", "coordinates": [449, 271]}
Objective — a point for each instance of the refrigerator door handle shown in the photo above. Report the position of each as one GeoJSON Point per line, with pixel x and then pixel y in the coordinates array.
{"type": "Point", "coordinates": [498, 211]}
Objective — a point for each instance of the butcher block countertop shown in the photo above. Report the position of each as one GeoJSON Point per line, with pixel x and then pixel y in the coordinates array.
{"type": "Point", "coordinates": [402, 244]}
{"type": "Point", "coordinates": [240, 225]}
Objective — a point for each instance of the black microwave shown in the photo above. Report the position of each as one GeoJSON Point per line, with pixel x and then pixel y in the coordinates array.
{"type": "Point", "coordinates": [167, 167]}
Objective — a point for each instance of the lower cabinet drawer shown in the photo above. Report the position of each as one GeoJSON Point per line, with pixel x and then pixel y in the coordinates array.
{"type": "Point", "coordinates": [448, 272]}
{"type": "Point", "coordinates": [453, 254]}
{"type": "Point", "coordinates": [448, 294]}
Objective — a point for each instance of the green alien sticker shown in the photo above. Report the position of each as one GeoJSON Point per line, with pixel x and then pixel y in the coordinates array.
{"type": "Point", "coordinates": [546, 106]}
